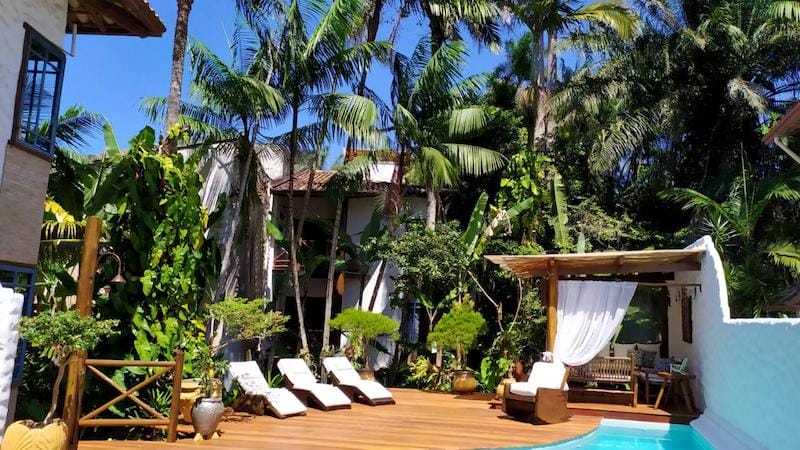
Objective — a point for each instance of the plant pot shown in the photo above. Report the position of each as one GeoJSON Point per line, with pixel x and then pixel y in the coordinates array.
{"type": "Point", "coordinates": [206, 414]}
{"type": "Point", "coordinates": [464, 382]}
{"type": "Point", "coordinates": [26, 434]}
{"type": "Point", "coordinates": [501, 387]}
{"type": "Point", "coordinates": [367, 374]}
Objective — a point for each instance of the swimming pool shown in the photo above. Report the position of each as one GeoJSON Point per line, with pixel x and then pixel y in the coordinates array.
{"type": "Point", "coordinates": [628, 434]}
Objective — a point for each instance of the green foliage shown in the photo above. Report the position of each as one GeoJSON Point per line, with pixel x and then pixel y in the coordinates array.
{"type": "Point", "coordinates": [459, 330]}
{"type": "Point", "coordinates": [363, 328]}
{"type": "Point", "coordinates": [428, 377]}
{"type": "Point", "coordinates": [58, 334]}
{"type": "Point", "coordinates": [430, 266]}
{"type": "Point", "coordinates": [492, 372]}
{"type": "Point", "coordinates": [248, 319]}
{"type": "Point", "coordinates": [153, 207]}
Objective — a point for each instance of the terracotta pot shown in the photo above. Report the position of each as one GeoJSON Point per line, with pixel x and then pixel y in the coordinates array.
{"type": "Point", "coordinates": [25, 434]}
{"type": "Point", "coordinates": [464, 382]}
{"type": "Point", "coordinates": [366, 374]}
{"type": "Point", "coordinates": [206, 414]}
{"type": "Point", "coordinates": [501, 387]}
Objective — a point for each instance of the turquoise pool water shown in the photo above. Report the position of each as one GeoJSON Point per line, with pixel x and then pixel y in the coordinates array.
{"type": "Point", "coordinates": [626, 434]}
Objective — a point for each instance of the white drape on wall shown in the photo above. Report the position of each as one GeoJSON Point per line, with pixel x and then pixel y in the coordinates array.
{"type": "Point", "coordinates": [589, 313]}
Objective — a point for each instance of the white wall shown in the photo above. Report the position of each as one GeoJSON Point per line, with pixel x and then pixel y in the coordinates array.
{"type": "Point", "coordinates": [49, 18]}
{"type": "Point", "coordinates": [10, 313]}
{"type": "Point", "coordinates": [359, 212]}
{"type": "Point", "coordinates": [746, 368]}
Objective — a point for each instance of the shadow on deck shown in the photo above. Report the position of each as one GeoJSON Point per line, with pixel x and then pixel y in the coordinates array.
{"type": "Point", "coordinates": [419, 420]}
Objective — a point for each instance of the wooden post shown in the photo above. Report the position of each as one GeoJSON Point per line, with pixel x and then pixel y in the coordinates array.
{"type": "Point", "coordinates": [552, 305]}
{"type": "Point", "coordinates": [88, 267]}
{"type": "Point", "coordinates": [87, 271]}
{"type": "Point", "coordinates": [177, 375]}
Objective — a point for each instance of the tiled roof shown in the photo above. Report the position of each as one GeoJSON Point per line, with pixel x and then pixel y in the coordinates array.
{"type": "Point", "coordinates": [321, 180]}
{"type": "Point", "coordinates": [323, 177]}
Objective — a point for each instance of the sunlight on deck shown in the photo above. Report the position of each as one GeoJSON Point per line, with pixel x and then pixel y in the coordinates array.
{"type": "Point", "coordinates": [419, 420]}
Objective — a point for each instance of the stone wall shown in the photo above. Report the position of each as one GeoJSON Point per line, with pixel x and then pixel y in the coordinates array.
{"type": "Point", "coordinates": [745, 368]}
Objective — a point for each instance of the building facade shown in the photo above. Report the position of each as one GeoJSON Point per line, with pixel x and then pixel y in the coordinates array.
{"type": "Point", "coordinates": [32, 63]}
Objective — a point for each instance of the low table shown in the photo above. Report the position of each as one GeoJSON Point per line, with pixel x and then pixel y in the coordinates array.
{"type": "Point", "coordinates": [679, 381]}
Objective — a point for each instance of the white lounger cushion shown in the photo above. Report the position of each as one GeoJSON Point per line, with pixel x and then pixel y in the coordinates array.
{"type": "Point", "coordinates": [248, 376]}
{"type": "Point", "coordinates": [298, 373]}
{"type": "Point", "coordinates": [543, 375]}
{"type": "Point", "coordinates": [344, 372]}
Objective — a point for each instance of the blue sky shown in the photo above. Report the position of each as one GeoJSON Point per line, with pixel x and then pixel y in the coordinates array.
{"type": "Point", "coordinates": [110, 75]}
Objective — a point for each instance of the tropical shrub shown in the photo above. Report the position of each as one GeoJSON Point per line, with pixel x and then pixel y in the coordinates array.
{"type": "Point", "coordinates": [459, 330]}
{"type": "Point", "coordinates": [363, 328]}
{"type": "Point", "coordinates": [157, 226]}
{"type": "Point", "coordinates": [57, 335]}
{"type": "Point", "coordinates": [248, 319]}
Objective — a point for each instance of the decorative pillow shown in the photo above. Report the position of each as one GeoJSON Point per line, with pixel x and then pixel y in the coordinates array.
{"type": "Point", "coordinates": [662, 364]}
{"type": "Point", "coordinates": [636, 356]}
{"type": "Point", "coordinates": [648, 358]}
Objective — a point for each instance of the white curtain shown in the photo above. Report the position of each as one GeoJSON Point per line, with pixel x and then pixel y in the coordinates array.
{"type": "Point", "coordinates": [589, 313]}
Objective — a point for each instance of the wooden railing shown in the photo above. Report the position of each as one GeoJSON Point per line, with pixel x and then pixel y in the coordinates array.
{"type": "Point", "coordinates": [157, 419]}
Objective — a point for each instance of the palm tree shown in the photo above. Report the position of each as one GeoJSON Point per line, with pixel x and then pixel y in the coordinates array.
{"type": "Point", "coordinates": [548, 21]}
{"type": "Point", "coordinates": [446, 17]}
{"type": "Point", "coordinates": [235, 103]}
{"type": "Point", "coordinates": [697, 83]}
{"type": "Point", "coordinates": [310, 63]}
{"type": "Point", "coordinates": [746, 233]}
{"type": "Point", "coordinates": [176, 76]}
{"type": "Point", "coordinates": [435, 112]}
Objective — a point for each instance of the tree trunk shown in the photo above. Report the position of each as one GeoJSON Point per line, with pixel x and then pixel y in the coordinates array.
{"type": "Point", "coordinates": [292, 237]}
{"type": "Point", "coordinates": [54, 398]}
{"type": "Point", "coordinates": [326, 328]}
{"type": "Point", "coordinates": [378, 282]}
{"type": "Point", "coordinates": [176, 78]}
{"type": "Point", "coordinates": [225, 282]}
{"type": "Point", "coordinates": [430, 218]}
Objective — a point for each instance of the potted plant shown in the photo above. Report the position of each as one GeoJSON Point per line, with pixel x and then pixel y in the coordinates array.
{"type": "Point", "coordinates": [459, 330]}
{"type": "Point", "coordinates": [56, 336]}
{"type": "Point", "coordinates": [244, 319]}
{"type": "Point", "coordinates": [363, 328]}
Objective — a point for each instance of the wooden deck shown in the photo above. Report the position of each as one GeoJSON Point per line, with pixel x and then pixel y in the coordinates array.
{"type": "Point", "coordinates": [419, 420]}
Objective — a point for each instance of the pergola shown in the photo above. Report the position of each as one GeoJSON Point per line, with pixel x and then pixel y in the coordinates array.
{"type": "Point", "coordinates": [634, 265]}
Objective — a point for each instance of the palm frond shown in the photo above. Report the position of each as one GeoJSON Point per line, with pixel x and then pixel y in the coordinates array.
{"type": "Point", "coordinates": [474, 160]}
{"type": "Point", "coordinates": [785, 254]}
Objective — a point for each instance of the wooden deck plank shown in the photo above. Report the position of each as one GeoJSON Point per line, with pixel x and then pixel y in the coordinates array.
{"type": "Point", "coordinates": [420, 420]}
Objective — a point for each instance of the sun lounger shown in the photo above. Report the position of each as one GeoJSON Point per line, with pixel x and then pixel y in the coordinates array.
{"type": "Point", "coordinates": [304, 385]}
{"type": "Point", "coordinates": [544, 394]}
{"type": "Point", "coordinates": [255, 391]}
{"type": "Point", "coordinates": [348, 380]}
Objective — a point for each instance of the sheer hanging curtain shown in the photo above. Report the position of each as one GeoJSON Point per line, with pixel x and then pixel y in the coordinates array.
{"type": "Point", "coordinates": [589, 313]}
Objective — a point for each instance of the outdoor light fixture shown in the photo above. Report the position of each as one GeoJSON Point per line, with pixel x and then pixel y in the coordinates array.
{"type": "Point", "coordinates": [118, 278]}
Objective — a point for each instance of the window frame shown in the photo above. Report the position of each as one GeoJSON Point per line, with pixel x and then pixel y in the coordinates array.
{"type": "Point", "coordinates": [27, 309]}
{"type": "Point", "coordinates": [30, 35]}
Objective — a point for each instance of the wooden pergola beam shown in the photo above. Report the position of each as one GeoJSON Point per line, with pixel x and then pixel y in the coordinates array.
{"type": "Point", "coordinates": [552, 306]}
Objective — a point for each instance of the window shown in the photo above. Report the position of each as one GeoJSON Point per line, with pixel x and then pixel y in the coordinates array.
{"type": "Point", "coordinates": [38, 93]}
{"type": "Point", "coordinates": [22, 280]}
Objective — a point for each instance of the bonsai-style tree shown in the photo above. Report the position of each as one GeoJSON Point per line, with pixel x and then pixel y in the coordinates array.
{"type": "Point", "coordinates": [244, 319]}
{"type": "Point", "coordinates": [363, 328]}
{"type": "Point", "coordinates": [459, 330]}
{"type": "Point", "coordinates": [57, 335]}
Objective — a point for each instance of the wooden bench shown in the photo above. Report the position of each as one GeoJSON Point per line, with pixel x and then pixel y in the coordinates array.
{"type": "Point", "coordinates": [606, 371]}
